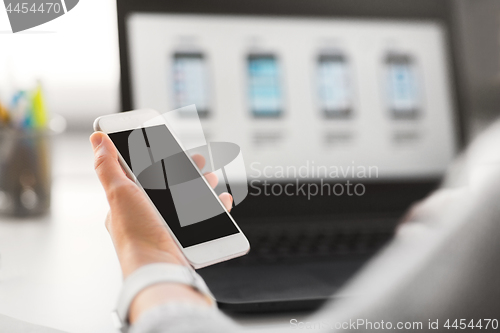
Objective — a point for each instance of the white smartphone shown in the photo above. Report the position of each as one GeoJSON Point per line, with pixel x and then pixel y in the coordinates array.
{"type": "Point", "coordinates": [190, 82]}
{"type": "Point", "coordinates": [334, 86]}
{"type": "Point", "coordinates": [404, 101]}
{"type": "Point", "coordinates": [203, 241]}
{"type": "Point", "coordinates": [265, 93]}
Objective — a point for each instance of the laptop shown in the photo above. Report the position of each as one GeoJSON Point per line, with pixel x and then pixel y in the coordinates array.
{"type": "Point", "coordinates": [346, 113]}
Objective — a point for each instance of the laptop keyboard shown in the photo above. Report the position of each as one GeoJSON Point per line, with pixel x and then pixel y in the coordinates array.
{"type": "Point", "coordinates": [275, 244]}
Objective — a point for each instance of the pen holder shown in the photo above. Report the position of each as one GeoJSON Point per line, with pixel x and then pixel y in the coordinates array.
{"type": "Point", "coordinates": [25, 172]}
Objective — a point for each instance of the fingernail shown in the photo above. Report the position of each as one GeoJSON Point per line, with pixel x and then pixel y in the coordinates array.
{"type": "Point", "coordinates": [96, 140]}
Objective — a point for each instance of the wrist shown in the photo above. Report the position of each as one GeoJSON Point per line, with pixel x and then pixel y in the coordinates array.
{"type": "Point", "coordinates": [156, 284]}
{"type": "Point", "coordinates": [163, 293]}
{"type": "Point", "coordinates": [134, 256]}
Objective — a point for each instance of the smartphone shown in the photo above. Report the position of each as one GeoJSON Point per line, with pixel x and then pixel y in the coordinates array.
{"type": "Point", "coordinates": [334, 87]}
{"type": "Point", "coordinates": [402, 86]}
{"type": "Point", "coordinates": [190, 82]}
{"type": "Point", "coordinates": [196, 218]}
{"type": "Point", "coordinates": [264, 88]}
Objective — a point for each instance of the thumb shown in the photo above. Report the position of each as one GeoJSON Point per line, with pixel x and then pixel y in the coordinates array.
{"type": "Point", "coordinates": [106, 163]}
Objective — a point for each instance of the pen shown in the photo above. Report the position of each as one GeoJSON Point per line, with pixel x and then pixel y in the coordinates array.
{"type": "Point", "coordinates": [19, 108]}
{"type": "Point", "coordinates": [4, 116]}
{"type": "Point", "coordinates": [39, 112]}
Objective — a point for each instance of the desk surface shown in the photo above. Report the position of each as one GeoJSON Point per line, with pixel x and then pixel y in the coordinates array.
{"type": "Point", "coordinates": [61, 270]}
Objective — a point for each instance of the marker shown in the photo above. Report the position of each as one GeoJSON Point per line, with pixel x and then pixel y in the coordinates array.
{"type": "Point", "coordinates": [4, 115]}
{"type": "Point", "coordinates": [39, 111]}
{"type": "Point", "coordinates": [19, 107]}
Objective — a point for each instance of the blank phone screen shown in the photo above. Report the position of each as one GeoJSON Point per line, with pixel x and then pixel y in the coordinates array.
{"type": "Point", "coordinates": [163, 189]}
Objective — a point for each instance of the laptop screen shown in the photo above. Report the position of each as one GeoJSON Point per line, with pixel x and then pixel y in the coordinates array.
{"type": "Point", "coordinates": [315, 99]}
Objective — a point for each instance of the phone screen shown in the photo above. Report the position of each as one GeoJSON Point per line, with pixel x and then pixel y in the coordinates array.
{"type": "Point", "coordinates": [191, 82]}
{"type": "Point", "coordinates": [402, 85]}
{"type": "Point", "coordinates": [265, 94]}
{"type": "Point", "coordinates": [198, 216]}
{"type": "Point", "coordinates": [334, 89]}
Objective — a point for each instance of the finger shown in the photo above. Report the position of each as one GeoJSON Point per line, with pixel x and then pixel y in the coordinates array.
{"type": "Point", "coordinates": [106, 163]}
{"type": "Point", "coordinates": [199, 161]}
{"type": "Point", "coordinates": [212, 179]}
{"type": "Point", "coordinates": [434, 203]}
{"type": "Point", "coordinates": [227, 200]}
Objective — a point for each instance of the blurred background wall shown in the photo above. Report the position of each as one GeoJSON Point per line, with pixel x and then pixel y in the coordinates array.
{"type": "Point", "coordinates": [76, 57]}
{"type": "Point", "coordinates": [479, 24]}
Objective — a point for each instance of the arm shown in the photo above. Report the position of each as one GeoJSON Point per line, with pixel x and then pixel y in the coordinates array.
{"type": "Point", "coordinates": [441, 264]}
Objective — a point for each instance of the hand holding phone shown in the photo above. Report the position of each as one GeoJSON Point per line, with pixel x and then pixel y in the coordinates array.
{"type": "Point", "coordinates": [138, 234]}
{"type": "Point", "coordinates": [204, 243]}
